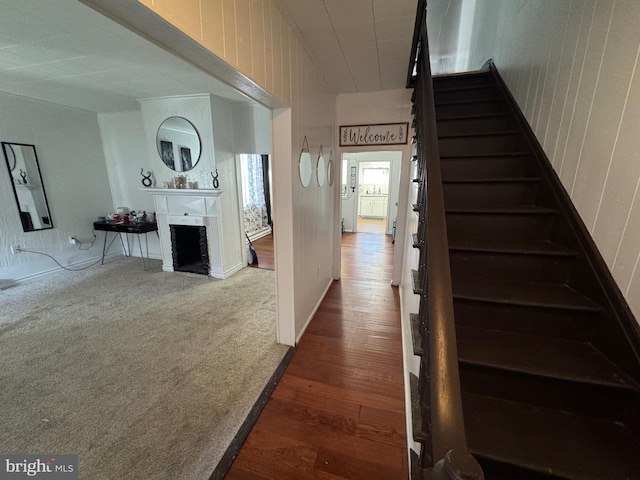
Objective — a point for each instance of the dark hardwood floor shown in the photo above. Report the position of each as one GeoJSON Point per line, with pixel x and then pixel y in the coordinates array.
{"type": "Point", "coordinates": [264, 250]}
{"type": "Point", "coordinates": [338, 411]}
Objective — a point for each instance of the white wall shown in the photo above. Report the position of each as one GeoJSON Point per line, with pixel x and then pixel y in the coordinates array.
{"type": "Point", "coordinates": [125, 151]}
{"type": "Point", "coordinates": [572, 68]}
{"type": "Point", "coordinates": [254, 121]}
{"type": "Point", "coordinates": [443, 27]}
{"type": "Point", "coordinates": [225, 162]}
{"type": "Point", "coordinates": [314, 222]}
{"type": "Point", "coordinates": [70, 154]}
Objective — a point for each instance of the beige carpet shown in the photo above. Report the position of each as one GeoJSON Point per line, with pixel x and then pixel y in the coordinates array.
{"type": "Point", "coordinates": [144, 375]}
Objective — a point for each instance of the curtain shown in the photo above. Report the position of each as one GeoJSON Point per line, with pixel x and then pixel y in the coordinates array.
{"type": "Point", "coordinates": [266, 187]}
{"type": "Point", "coordinates": [256, 201]}
{"type": "Point", "coordinates": [252, 181]}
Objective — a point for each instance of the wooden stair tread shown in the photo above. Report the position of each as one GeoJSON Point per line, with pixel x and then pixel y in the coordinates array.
{"type": "Point", "coordinates": [543, 295]}
{"type": "Point", "coordinates": [461, 88]}
{"type": "Point", "coordinates": [505, 210]}
{"type": "Point", "coordinates": [472, 116]}
{"type": "Point", "coordinates": [542, 356]}
{"type": "Point", "coordinates": [475, 75]}
{"type": "Point", "coordinates": [518, 153]}
{"type": "Point", "coordinates": [415, 281]}
{"type": "Point", "coordinates": [416, 334]}
{"type": "Point", "coordinates": [467, 100]}
{"type": "Point", "coordinates": [491, 180]}
{"type": "Point", "coordinates": [504, 245]}
{"type": "Point", "coordinates": [416, 240]}
{"type": "Point", "coordinates": [549, 441]}
{"type": "Point", "coordinates": [479, 134]}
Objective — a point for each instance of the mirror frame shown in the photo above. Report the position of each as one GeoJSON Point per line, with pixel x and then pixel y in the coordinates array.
{"type": "Point", "coordinates": [13, 154]}
{"type": "Point", "coordinates": [330, 169]}
{"type": "Point", "coordinates": [6, 146]}
{"type": "Point", "coordinates": [321, 170]}
{"type": "Point", "coordinates": [161, 139]}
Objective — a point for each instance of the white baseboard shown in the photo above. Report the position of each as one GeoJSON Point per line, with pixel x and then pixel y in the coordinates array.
{"type": "Point", "coordinates": [262, 233]}
{"type": "Point", "coordinates": [227, 273]}
{"type": "Point", "coordinates": [313, 313]}
{"type": "Point", "coordinates": [75, 265]}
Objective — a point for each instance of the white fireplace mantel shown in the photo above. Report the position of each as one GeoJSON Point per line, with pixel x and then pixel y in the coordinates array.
{"type": "Point", "coordinates": [177, 206]}
{"type": "Point", "coordinates": [184, 192]}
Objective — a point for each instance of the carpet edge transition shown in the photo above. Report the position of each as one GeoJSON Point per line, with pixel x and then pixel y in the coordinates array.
{"type": "Point", "coordinates": [243, 432]}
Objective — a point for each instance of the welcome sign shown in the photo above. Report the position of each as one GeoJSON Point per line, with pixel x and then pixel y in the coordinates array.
{"type": "Point", "coordinates": [376, 134]}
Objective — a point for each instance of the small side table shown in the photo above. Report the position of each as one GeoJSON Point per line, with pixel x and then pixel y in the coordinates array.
{"type": "Point", "coordinates": [119, 228]}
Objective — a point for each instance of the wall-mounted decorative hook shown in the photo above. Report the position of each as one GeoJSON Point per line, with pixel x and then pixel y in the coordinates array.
{"type": "Point", "coordinates": [353, 179]}
{"type": "Point", "coordinates": [146, 179]}
{"type": "Point", "coordinates": [23, 174]}
{"type": "Point", "coordinates": [216, 184]}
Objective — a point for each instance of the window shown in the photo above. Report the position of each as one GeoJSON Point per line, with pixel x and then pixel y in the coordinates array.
{"type": "Point", "coordinates": [255, 193]}
{"type": "Point", "coordinates": [252, 181]}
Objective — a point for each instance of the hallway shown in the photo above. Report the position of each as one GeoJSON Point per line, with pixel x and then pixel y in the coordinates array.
{"type": "Point", "coordinates": [338, 411]}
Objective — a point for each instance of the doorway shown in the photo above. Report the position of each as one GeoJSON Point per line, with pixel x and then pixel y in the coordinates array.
{"type": "Point", "coordinates": [373, 196]}
{"type": "Point", "coordinates": [255, 177]}
{"type": "Point", "coordinates": [370, 185]}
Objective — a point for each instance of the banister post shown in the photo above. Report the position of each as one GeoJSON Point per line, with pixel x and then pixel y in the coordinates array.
{"type": "Point", "coordinates": [457, 465]}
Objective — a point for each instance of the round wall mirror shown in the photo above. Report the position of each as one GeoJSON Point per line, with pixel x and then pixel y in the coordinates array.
{"type": "Point", "coordinates": [178, 144]}
{"type": "Point", "coordinates": [330, 171]}
{"type": "Point", "coordinates": [322, 170]}
{"type": "Point", "coordinates": [305, 168]}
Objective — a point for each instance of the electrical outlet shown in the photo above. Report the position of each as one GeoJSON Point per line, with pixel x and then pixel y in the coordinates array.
{"type": "Point", "coordinates": [73, 240]}
{"type": "Point", "coordinates": [15, 249]}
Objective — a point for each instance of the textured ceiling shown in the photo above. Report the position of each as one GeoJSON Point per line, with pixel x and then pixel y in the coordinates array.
{"type": "Point", "coordinates": [63, 52]}
{"type": "Point", "coordinates": [359, 45]}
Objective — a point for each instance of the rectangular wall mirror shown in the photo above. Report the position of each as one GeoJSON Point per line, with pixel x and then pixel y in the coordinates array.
{"type": "Point", "coordinates": [28, 188]}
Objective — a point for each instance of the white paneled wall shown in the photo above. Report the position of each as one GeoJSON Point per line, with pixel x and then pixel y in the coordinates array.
{"type": "Point", "coordinates": [572, 67]}
{"type": "Point", "coordinates": [250, 35]}
{"type": "Point", "coordinates": [74, 174]}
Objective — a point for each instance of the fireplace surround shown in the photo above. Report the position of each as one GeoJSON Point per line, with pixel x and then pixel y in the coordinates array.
{"type": "Point", "coordinates": [197, 216]}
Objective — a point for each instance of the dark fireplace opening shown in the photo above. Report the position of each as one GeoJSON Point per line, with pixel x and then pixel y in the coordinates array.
{"type": "Point", "coordinates": [189, 249]}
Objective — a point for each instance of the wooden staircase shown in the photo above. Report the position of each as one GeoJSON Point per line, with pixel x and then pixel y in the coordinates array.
{"type": "Point", "coordinates": [548, 351]}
